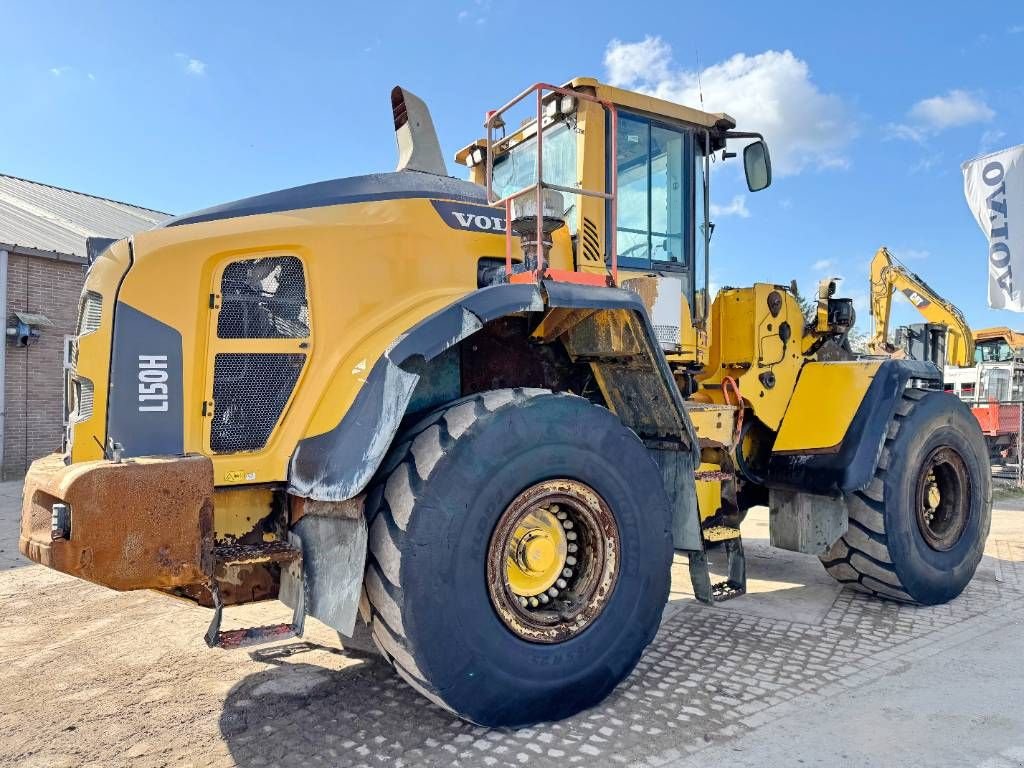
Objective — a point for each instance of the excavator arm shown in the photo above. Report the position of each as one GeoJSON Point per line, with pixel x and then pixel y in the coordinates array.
{"type": "Point", "coordinates": [889, 275]}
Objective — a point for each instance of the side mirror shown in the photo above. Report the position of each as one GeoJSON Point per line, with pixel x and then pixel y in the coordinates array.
{"type": "Point", "coordinates": [757, 164]}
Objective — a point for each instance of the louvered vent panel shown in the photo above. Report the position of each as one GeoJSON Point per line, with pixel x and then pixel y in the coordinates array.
{"type": "Point", "coordinates": [591, 243]}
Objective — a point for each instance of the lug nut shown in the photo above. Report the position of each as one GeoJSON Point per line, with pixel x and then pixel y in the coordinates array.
{"type": "Point", "coordinates": [567, 572]}
{"type": "Point", "coordinates": [561, 515]}
{"type": "Point", "coordinates": [533, 602]}
{"type": "Point", "coordinates": [553, 592]}
{"type": "Point", "coordinates": [570, 560]}
{"type": "Point", "coordinates": [572, 547]}
{"type": "Point", "coordinates": [543, 598]}
{"type": "Point", "coordinates": [561, 583]}
{"type": "Point", "coordinates": [567, 524]}
{"type": "Point", "coordinates": [571, 536]}
{"type": "Point", "coordinates": [524, 602]}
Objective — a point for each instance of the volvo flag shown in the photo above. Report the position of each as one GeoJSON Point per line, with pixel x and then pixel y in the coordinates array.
{"type": "Point", "coordinates": [994, 186]}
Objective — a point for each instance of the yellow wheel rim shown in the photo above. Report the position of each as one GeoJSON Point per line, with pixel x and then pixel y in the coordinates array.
{"type": "Point", "coordinates": [536, 551]}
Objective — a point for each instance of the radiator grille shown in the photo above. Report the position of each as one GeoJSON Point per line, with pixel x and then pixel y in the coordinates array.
{"type": "Point", "coordinates": [263, 299]}
{"type": "Point", "coordinates": [250, 391]}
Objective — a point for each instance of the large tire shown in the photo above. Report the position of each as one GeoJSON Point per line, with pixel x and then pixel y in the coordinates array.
{"type": "Point", "coordinates": [432, 514]}
{"type": "Point", "coordinates": [890, 550]}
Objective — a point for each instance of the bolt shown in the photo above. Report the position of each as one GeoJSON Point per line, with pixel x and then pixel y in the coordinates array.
{"type": "Point", "coordinates": [553, 592]}
{"type": "Point", "coordinates": [561, 583]}
{"type": "Point", "coordinates": [533, 602]}
{"type": "Point", "coordinates": [543, 598]}
{"type": "Point", "coordinates": [572, 547]}
{"type": "Point", "coordinates": [567, 572]}
{"type": "Point", "coordinates": [567, 524]}
{"type": "Point", "coordinates": [524, 602]}
{"type": "Point", "coordinates": [570, 560]}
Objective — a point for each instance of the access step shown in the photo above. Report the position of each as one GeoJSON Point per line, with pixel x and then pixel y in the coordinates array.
{"type": "Point", "coordinates": [237, 555]}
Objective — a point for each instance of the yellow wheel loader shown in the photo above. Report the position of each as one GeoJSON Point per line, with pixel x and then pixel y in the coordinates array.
{"type": "Point", "coordinates": [477, 417]}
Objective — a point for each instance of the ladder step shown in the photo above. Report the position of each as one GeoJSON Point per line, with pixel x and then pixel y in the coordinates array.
{"type": "Point", "coordinates": [240, 638]}
{"type": "Point", "coordinates": [249, 554]}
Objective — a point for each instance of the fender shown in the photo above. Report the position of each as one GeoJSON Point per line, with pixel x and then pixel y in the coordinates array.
{"type": "Point", "coordinates": [337, 465]}
{"type": "Point", "coordinates": [848, 465]}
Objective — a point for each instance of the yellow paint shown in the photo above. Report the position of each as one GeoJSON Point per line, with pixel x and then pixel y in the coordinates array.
{"type": "Point", "coordinates": [395, 262]}
{"type": "Point", "coordinates": [709, 492]}
{"type": "Point", "coordinates": [716, 423]}
{"type": "Point", "coordinates": [237, 511]}
{"type": "Point", "coordinates": [536, 553]}
{"type": "Point", "coordinates": [826, 398]}
{"type": "Point", "coordinates": [94, 351]}
{"type": "Point", "coordinates": [746, 343]}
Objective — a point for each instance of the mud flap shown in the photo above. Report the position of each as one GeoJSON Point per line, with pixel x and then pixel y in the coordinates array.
{"type": "Point", "coordinates": [333, 561]}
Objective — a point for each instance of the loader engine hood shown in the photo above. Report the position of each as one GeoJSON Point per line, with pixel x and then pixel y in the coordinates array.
{"type": "Point", "coordinates": [354, 189]}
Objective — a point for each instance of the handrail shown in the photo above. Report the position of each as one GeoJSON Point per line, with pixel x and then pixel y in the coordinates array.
{"type": "Point", "coordinates": [539, 186]}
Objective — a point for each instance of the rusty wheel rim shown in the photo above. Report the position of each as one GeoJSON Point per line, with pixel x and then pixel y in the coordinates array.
{"type": "Point", "coordinates": [943, 499]}
{"type": "Point", "coordinates": [586, 575]}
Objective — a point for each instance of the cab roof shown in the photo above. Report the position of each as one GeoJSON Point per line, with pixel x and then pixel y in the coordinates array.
{"type": "Point", "coordinates": [636, 102]}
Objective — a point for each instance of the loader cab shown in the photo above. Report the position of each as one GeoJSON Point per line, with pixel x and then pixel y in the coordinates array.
{"type": "Point", "coordinates": [632, 172]}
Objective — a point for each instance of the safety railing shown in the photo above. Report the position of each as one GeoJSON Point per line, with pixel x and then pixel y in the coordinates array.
{"type": "Point", "coordinates": [538, 187]}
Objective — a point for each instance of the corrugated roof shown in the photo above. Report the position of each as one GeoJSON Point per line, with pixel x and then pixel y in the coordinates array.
{"type": "Point", "coordinates": [41, 217]}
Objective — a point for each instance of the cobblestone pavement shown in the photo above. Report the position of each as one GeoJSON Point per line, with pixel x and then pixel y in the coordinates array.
{"type": "Point", "coordinates": [93, 677]}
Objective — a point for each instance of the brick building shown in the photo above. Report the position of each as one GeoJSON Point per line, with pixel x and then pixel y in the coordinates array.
{"type": "Point", "coordinates": [43, 231]}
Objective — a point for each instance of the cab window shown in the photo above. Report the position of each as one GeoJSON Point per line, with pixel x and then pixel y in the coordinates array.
{"type": "Point", "coordinates": [654, 196]}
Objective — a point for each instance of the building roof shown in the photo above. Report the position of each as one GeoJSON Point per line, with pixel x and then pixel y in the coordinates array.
{"type": "Point", "coordinates": [43, 220]}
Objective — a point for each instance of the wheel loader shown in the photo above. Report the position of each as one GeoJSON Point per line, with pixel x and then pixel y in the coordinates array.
{"type": "Point", "coordinates": [477, 417]}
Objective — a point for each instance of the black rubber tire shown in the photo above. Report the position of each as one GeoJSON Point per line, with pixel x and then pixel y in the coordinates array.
{"type": "Point", "coordinates": [884, 551]}
{"type": "Point", "coordinates": [431, 513]}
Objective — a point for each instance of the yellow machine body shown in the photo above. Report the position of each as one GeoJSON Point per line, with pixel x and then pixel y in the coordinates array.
{"type": "Point", "coordinates": [381, 269]}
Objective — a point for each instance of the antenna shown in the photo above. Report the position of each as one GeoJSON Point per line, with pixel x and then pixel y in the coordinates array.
{"type": "Point", "coordinates": [700, 88]}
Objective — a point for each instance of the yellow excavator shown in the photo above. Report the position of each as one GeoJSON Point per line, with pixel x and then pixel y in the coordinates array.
{"type": "Point", "coordinates": [475, 417]}
{"type": "Point", "coordinates": [889, 275]}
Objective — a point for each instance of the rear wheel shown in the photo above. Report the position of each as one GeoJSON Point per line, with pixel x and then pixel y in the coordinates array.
{"type": "Point", "coordinates": [917, 532]}
{"type": "Point", "coordinates": [520, 546]}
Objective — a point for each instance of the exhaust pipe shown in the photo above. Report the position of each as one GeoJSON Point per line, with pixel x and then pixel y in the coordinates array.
{"type": "Point", "coordinates": [418, 147]}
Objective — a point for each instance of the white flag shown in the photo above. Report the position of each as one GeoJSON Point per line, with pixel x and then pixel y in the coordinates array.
{"type": "Point", "coordinates": [994, 186]}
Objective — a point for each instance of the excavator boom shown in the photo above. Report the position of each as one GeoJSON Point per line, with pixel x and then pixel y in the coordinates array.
{"type": "Point", "coordinates": [889, 275]}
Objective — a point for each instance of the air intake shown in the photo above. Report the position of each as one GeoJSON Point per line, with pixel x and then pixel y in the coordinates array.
{"type": "Point", "coordinates": [250, 391]}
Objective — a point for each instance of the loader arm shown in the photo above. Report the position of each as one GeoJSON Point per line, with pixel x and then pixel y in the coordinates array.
{"type": "Point", "coordinates": [889, 275]}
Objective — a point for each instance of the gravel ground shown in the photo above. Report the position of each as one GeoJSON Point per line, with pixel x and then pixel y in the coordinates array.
{"type": "Point", "coordinates": [797, 672]}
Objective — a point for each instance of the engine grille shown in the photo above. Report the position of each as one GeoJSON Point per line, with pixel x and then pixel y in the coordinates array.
{"type": "Point", "coordinates": [264, 299]}
{"type": "Point", "coordinates": [250, 391]}
{"type": "Point", "coordinates": [89, 312]}
{"type": "Point", "coordinates": [84, 397]}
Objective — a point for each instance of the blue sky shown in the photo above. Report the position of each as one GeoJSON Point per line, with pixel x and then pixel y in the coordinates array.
{"type": "Point", "coordinates": [870, 108]}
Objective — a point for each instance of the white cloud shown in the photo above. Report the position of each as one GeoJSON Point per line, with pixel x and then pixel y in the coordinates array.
{"type": "Point", "coordinates": [1016, 29]}
{"type": "Point", "coordinates": [958, 107]}
{"type": "Point", "coordinates": [91, 76]}
{"type": "Point", "coordinates": [933, 115]}
{"type": "Point", "coordinates": [771, 92]}
{"type": "Point", "coordinates": [823, 265]}
{"type": "Point", "coordinates": [58, 71]}
{"type": "Point", "coordinates": [191, 65]}
{"type": "Point", "coordinates": [736, 207]}
{"type": "Point", "coordinates": [476, 12]}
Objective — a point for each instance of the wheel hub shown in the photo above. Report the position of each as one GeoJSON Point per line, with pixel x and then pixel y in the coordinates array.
{"type": "Point", "coordinates": [536, 552]}
{"type": "Point", "coordinates": [553, 560]}
{"type": "Point", "coordinates": [943, 499]}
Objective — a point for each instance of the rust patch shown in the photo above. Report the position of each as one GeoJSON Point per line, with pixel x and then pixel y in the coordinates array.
{"type": "Point", "coordinates": [142, 524]}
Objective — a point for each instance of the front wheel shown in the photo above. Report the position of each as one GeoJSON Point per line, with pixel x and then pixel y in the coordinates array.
{"type": "Point", "coordinates": [917, 532]}
{"type": "Point", "coordinates": [520, 549]}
